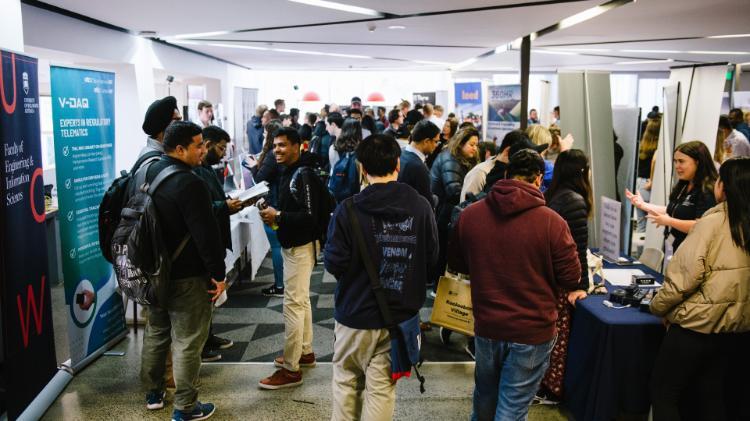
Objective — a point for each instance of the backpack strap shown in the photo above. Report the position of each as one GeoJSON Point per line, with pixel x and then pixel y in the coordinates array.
{"type": "Point", "coordinates": [375, 284]}
{"type": "Point", "coordinates": [147, 157]}
{"type": "Point", "coordinates": [161, 177]}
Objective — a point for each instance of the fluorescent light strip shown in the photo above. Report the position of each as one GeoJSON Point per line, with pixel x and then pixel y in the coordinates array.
{"type": "Point", "coordinates": [559, 53]}
{"type": "Point", "coordinates": [730, 36]}
{"type": "Point", "coordinates": [582, 16]}
{"type": "Point", "coordinates": [437, 63]}
{"type": "Point", "coordinates": [625, 63]}
{"type": "Point", "coordinates": [582, 50]}
{"type": "Point", "coordinates": [340, 6]}
{"type": "Point", "coordinates": [200, 35]}
{"type": "Point", "coordinates": [729, 53]}
{"type": "Point", "coordinates": [318, 53]}
{"type": "Point", "coordinates": [653, 51]}
{"type": "Point", "coordinates": [243, 47]}
{"type": "Point", "coordinates": [464, 63]}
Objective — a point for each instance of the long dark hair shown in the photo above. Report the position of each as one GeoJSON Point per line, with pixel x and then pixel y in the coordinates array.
{"type": "Point", "coordinates": [572, 171]}
{"type": "Point", "coordinates": [272, 127]}
{"type": "Point", "coordinates": [735, 176]}
{"type": "Point", "coordinates": [458, 141]}
{"type": "Point", "coordinates": [705, 173]}
{"type": "Point", "coordinates": [351, 135]}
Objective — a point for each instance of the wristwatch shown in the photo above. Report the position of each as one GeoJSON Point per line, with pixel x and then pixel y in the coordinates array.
{"type": "Point", "coordinates": [277, 218]}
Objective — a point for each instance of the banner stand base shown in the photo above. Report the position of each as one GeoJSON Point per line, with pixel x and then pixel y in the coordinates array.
{"type": "Point", "coordinates": [55, 387]}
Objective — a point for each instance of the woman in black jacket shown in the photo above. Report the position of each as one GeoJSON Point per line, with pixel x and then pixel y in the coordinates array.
{"type": "Point", "coordinates": [446, 180]}
{"type": "Point", "coordinates": [569, 195]}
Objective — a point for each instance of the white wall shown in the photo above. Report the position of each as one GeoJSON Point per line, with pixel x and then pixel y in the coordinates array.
{"type": "Point", "coordinates": [340, 86]}
{"type": "Point", "coordinates": [11, 30]}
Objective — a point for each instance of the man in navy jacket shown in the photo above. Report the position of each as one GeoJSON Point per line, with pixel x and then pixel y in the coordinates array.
{"type": "Point", "coordinates": [400, 233]}
{"type": "Point", "coordinates": [414, 172]}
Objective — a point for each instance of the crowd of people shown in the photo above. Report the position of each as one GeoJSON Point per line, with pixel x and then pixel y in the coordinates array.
{"type": "Point", "coordinates": [392, 200]}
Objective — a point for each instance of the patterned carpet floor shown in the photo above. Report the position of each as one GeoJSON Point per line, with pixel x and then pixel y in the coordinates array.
{"type": "Point", "coordinates": [255, 323]}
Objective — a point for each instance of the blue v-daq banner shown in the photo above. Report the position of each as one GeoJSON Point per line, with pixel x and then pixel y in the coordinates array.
{"type": "Point", "coordinates": [83, 109]}
{"type": "Point", "coordinates": [27, 350]}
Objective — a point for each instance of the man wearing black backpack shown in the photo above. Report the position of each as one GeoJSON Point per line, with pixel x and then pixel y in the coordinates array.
{"type": "Point", "coordinates": [396, 227]}
{"type": "Point", "coordinates": [197, 277]}
{"type": "Point", "coordinates": [216, 140]}
{"type": "Point", "coordinates": [304, 210]}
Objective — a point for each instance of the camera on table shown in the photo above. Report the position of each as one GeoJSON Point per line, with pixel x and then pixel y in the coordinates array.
{"type": "Point", "coordinates": [630, 295]}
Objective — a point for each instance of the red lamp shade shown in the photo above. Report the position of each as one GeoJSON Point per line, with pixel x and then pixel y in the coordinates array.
{"type": "Point", "coordinates": [310, 97]}
{"type": "Point", "coordinates": [375, 97]}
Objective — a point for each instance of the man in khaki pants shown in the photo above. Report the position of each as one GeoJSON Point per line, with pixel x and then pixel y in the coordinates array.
{"type": "Point", "coordinates": [400, 235]}
{"type": "Point", "coordinates": [296, 221]}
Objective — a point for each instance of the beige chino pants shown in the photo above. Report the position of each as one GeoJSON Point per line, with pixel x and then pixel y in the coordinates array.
{"type": "Point", "coordinates": [362, 387]}
{"type": "Point", "coordinates": [298, 267]}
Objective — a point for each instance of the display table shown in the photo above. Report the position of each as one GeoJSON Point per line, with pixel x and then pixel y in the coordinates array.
{"type": "Point", "coordinates": [248, 240]}
{"type": "Point", "coordinates": [611, 354]}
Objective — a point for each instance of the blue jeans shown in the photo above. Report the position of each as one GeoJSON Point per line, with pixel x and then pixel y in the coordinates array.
{"type": "Point", "coordinates": [506, 378]}
{"type": "Point", "coordinates": [278, 261]}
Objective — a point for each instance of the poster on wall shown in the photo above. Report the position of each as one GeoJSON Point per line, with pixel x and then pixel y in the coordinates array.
{"type": "Point", "coordinates": [469, 103]}
{"type": "Point", "coordinates": [83, 109]}
{"type": "Point", "coordinates": [503, 111]}
{"type": "Point", "coordinates": [28, 354]}
{"type": "Point", "coordinates": [424, 98]}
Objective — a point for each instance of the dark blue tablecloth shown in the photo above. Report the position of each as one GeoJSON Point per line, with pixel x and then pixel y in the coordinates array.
{"type": "Point", "coordinates": [610, 357]}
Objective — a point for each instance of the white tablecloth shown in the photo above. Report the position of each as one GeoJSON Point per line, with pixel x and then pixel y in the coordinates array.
{"type": "Point", "coordinates": [247, 234]}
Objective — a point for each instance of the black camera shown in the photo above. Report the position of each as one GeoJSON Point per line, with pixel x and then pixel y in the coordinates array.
{"type": "Point", "coordinates": [629, 295]}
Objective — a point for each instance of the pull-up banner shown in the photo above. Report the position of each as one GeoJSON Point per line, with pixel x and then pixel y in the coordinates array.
{"type": "Point", "coordinates": [83, 108]}
{"type": "Point", "coordinates": [503, 111]}
{"type": "Point", "coordinates": [28, 342]}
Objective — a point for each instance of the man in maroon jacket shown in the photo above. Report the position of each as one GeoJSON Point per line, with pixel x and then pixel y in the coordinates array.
{"type": "Point", "coordinates": [528, 254]}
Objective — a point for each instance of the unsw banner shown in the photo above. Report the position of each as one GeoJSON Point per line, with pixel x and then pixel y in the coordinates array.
{"type": "Point", "coordinates": [83, 121]}
{"type": "Point", "coordinates": [28, 347]}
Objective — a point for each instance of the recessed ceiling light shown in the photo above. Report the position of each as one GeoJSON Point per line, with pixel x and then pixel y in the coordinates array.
{"type": "Point", "coordinates": [625, 63]}
{"type": "Point", "coordinates": [340, 6]}
{"type": "Point", "coordinates": [397, 27]}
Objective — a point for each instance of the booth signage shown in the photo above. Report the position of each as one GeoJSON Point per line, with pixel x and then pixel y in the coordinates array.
{"type": "Point", "coordinates": [28, 342]}
{"type": "Point", "coordinates": [83, 121]}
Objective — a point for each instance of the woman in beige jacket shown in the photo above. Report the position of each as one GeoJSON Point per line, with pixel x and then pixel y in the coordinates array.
{"type": "Point", "coordinates": [705, 301]}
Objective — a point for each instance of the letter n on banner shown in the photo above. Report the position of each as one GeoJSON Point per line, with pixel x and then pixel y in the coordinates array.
{"type": "Point", "coordinates": [28, 342]}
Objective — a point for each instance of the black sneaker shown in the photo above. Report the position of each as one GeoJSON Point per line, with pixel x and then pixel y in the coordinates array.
{"type": "Point", "coordinates": [155, 400]}
{"type": "Point", "coordinates": [445, 335]}
{"type": "Point", "coordinates": [217, 342]}
{"type": "Point", "coordinates": [210, 355]}
{"type": "Point", "coordinates": [273, 291]}
{"type": "Point", "coordinates": [201, 411]}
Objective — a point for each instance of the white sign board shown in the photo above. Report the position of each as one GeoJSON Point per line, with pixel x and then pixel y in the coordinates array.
{"type": "Point", "coordinates": [609, 229]}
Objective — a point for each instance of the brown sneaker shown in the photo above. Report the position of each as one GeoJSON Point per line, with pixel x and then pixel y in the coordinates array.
{"type": "Point", "coordinates": [281, 379]}
{"type": "Point", "coordinates": [306, 360]}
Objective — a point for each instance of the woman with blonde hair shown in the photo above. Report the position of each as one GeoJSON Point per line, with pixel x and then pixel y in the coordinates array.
{"type": "Point", "coordinates": [646, 150]}
{"type": "Point", "coordinates": [446, 181]}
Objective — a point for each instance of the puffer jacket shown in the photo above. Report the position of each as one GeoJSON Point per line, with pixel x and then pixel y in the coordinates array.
{"type": "Point", "coordinates": [707, 283]}
{"type": "Point", "coordinates": [572, 207]}
{"type": "Point", "coordinates": [446, 180]}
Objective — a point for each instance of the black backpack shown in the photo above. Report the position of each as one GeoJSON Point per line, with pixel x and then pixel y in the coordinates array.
{"type": "Point", "coordinates": [327, 202]}
{"type": "Point", "coordinates": [141, 262]}
{"type": "Point", "coordinates": [113, 201]}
